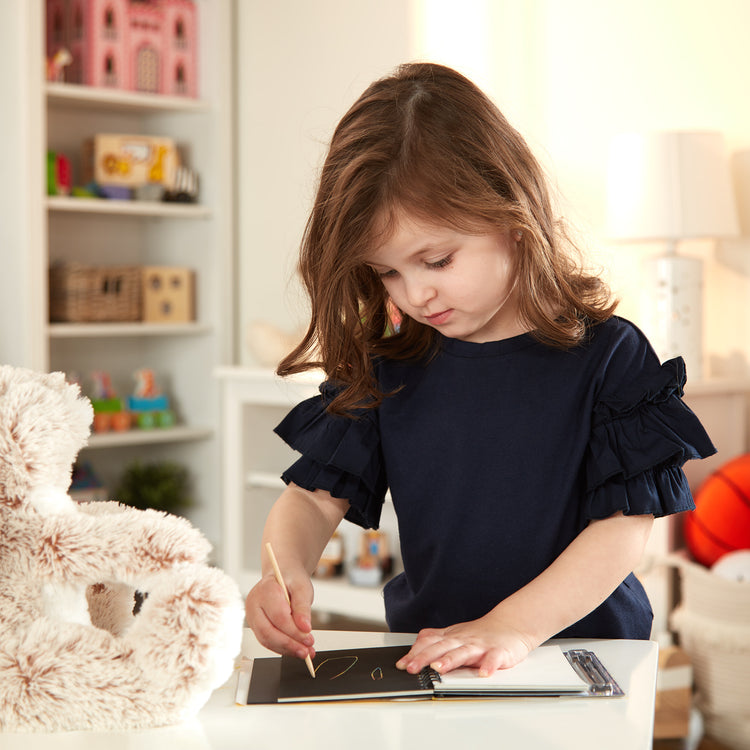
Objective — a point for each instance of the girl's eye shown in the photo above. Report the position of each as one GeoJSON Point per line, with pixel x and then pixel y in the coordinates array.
{"type": "Point", "coordinates": [442, 263]}
{"type": "Point", "coordinates": [386, 274]}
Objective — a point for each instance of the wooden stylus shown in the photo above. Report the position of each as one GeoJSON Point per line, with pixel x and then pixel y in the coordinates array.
{"type": "Point", "coordinates": [280, 580]}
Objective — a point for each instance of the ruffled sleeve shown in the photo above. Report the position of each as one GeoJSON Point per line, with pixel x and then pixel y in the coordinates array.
{"type": "Point", "coordinates": [641, 437]}
{"type": "Point", "coordinates": [339, 454]}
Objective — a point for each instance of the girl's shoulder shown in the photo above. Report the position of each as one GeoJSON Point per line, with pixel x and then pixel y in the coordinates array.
{"type": "Point", "coordinates": [619, 343]}
{"type": "Point", "coordinates": [616, 331]}
{"type": "Point", "coordinates": [628, 370]}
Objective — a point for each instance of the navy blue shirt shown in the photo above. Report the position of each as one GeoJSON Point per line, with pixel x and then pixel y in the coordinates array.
{"type": "Point", "coordinates": [497, 455]}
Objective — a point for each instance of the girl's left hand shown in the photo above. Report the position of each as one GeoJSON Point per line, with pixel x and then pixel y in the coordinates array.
{"type": "Point", "coordinates": [487, 644]}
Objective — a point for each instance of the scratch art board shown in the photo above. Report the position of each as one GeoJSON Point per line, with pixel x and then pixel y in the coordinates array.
{"type": "Point", "coordinates": [364, 673]}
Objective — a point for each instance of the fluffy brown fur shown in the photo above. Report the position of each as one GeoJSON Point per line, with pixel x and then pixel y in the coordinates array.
{"type": "Point", "coordinates": [72, 654]}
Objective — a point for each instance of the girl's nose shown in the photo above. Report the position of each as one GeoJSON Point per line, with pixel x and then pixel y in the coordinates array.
{"type": "Point", "coordinates": [419, 293]}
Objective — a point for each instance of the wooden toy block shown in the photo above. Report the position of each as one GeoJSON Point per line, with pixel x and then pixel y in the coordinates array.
{"type": "Point", "coordinates": [168, 294]}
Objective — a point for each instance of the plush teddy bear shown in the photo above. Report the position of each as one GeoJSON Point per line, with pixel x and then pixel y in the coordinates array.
{"type": "Point", "coordinates": [75, 651]}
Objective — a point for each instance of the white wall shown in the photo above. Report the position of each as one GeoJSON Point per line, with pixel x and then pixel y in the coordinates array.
{"type": "Point", "coordinates": [568, 73]}
{"type": "Point", "coordinates": [300, 66]}
{"type": "Point", "coordinates": [22, 314]}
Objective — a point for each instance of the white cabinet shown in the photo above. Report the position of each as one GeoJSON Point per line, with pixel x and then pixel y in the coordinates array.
{"type": "Point", "coordinates": [104, 232]}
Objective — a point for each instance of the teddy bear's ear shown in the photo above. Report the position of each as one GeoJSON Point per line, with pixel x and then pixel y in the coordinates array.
{"type": "Point", "coordinates": [44, 422]}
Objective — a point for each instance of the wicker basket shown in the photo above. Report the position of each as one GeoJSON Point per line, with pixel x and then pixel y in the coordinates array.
{"type": "Point", "coordinates": [713, 623]}
{"type": "Point", "coordinates": [88, 294]}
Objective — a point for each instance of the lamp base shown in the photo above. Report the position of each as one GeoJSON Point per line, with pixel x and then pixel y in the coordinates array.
{"type": "Point", "coordinates": [672, 309]}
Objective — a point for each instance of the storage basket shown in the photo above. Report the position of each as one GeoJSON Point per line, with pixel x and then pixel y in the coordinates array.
{"type": "Point", "coordinates": [88, 294]}
{"type": "Point", "coordinates": [713, 623]}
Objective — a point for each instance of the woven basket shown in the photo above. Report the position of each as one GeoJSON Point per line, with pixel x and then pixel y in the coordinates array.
{"type": "Point", "coordinates": [713, 623]}
{"type": "Point", "coordinates": [88, 294]}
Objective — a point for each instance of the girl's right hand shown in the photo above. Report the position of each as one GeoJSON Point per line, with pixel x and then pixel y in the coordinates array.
{"type": "Point", "coordinates": [277, 627]}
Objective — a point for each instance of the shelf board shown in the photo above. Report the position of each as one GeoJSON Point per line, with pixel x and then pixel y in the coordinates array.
{"type": "Point", "coordinates": [96, 98]}
{"type": "Point", "coordinates": [127, 208]}
{"type": "Point", "coordinates": [123, 330]}
{"type": "Point", "coordinates": [179, 434]}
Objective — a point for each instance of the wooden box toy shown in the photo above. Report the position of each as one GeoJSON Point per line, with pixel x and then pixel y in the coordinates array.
{"type": "Point", "coordinates": [130, 160]}
{"type": "Point", "coordinates": [168, 294]}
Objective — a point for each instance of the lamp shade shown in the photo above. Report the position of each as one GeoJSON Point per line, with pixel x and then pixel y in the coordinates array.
{"type": "Point", "coordinates": [669, 185]}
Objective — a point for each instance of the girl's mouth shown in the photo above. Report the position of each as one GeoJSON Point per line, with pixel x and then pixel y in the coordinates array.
{"type": "Point", "coordinates": [439, 318]}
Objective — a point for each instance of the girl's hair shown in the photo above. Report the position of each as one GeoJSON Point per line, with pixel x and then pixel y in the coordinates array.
{"type": "Point", "coordinates": [426, 142]}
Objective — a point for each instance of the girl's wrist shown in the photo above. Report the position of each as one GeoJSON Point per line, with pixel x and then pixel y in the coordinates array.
{"type": "Point", "coordinates": [507, 619]}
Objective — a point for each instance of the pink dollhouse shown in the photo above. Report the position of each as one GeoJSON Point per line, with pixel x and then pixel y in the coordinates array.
{"type": "Point", "coordinates": [140, 45]}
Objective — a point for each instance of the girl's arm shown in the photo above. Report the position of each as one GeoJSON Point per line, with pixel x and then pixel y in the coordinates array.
{"type": "Point", "coordinates": [577, 582]}
{"type": "Point", "coordinates": [298, 528]}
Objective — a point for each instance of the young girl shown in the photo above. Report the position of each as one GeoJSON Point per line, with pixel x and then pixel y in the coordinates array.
{"type": "Point", "coordinates": [527, 435]}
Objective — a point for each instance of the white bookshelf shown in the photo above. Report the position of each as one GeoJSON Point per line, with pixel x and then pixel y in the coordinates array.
{"type": "Point", "coordinates": [200, 236]}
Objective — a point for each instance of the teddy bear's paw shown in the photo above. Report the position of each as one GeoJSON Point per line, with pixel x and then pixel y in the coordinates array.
{"type": "Point", "coordinates": [188, 633]}
{"type": "Point", "coordinates": [61, 677]}
{"type": "Point", "coordinates": [157, 541]}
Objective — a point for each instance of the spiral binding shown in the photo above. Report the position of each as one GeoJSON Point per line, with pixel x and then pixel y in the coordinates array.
{"type": "Point", "coordinates": [428, 677]}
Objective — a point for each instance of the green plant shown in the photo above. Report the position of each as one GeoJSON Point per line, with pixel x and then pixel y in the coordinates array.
{"type": "Point", "coordinates": [163, 485]}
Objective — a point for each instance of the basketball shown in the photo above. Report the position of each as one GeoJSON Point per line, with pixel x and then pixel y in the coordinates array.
{"type": "Point", "coordinates": [720, 522]}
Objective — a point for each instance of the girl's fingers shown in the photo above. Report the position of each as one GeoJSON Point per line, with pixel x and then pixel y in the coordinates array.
{"type": "Point", "coordinates": [269, 615]}
{"type": "Point", "coordinates": [281, 617]}
{"type": "Point", "coordinates": [271, 637]}
{"type": "Point", "coordinates": [442, 656]}
{"type": "Point", "coordinates": [424, 640]}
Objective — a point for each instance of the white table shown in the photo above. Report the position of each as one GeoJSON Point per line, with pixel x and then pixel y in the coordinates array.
{"type": "Point", "coordinates": [529, 723]}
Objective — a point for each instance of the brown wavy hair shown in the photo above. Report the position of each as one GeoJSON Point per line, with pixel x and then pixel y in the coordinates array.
{"type": "Point", "coordinates": [427, 142]}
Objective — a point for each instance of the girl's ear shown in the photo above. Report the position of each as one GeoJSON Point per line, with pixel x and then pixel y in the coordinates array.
{"type": "Point", "coordinates": [517, 235]}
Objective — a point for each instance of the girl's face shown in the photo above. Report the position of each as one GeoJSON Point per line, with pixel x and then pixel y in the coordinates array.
{"type": "Point", "coordinates": [460, 284]}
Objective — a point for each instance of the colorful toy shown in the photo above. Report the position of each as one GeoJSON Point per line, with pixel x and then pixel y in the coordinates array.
{"type": "Point", "coordinates": [59, 174]}
{"type": "Point", "coordinates": [331, 562]}
{"type": "Point", "coordinates": [374, 561]}
{"type": "Point", "coordinates": [129, 161]}
{"type": "Point", "coordinates": [109, 410]}
{"type": "Point", "coordinates": [150, 407]}
{"type": "Point", "coordinates": [721, 520]}
{"type": "Point", "coordinates": [73, 654]}
{"type": "Point", "coordinates": [148, 46]}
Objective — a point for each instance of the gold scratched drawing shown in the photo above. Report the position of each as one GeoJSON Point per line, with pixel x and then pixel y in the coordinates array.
{"type": "Point", "coordinates": [355, 659]}
{"type": "Point", "coordinates": [377, 673]}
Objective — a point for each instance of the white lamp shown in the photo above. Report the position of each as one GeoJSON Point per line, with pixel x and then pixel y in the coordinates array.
{"type": "Point", "coordinates": [670, 186]}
